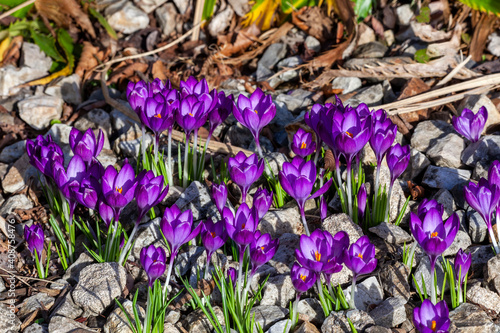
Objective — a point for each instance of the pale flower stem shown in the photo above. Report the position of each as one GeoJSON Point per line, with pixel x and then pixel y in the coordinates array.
{"type": "Point", "coordinates": [207, 268]}
{"type": "Point", "coordinates": [143, 142]}
{"type": "Point", "coordinates": [295, 309]}
{"type": "Point", "coordinates": [195, 155]}
{"type": "Point", "coordinates": [239, 285]}
{"type": "Point", "coordinates": [375, 193]}
{"type": "Point", "coordinates": [129, 244]}
{"type": "Point", "coordinates": [433, 287]}
{"type": "Point", "coordinates": [157, 143]}
{"type": "Point", "coordinates": [387, 212]}
{"type": "Point", "coordinates": [304, 222]}
{"type": "Point", "coordinates": [349, 190]}
{"type": "Point", "coordinates": [497, 221]}
{"type": "Point", "coordinates": [493, 241]}
{"type": "Point", "coordinates": [339, 182]}
{"type": "Point", "coordinates": [316, 155]}
{"type": "Point", "coordinates": [169, 273]}
{"type": "Point", "coordinates": [352, 305]}
{"type": "Point", "coordinates": [409, 262]}
{"type": "Point", "coordinates": [184, 173]}
{"type": "Point", "coordinates": [460, 294]}
{"type": "Point", "coordinates": [170, 171]}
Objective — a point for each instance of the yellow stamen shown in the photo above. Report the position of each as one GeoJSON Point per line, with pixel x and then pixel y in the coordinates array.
{"type": "Point", "coordinates": [317, 255]}
{"type": "Point", "coordinates": [262, 248]}
{"type": "Point", "coordinates": [212, 234]}
{"type": "Point", "coordinates": [157, 116]}
{"type": "Point", "coordinates": [360, 256]}
{"type": "Point", "coordinates": [119, 190]}
{"type": "Point", "coordinates": [303, 145]}
{"type": "Point", "coordinates": [190, 114]}
{"type": "Point", "coordinates": [256, 112]}
{"type": "Point", "coordinates": [434, 234]}
{"type": "Point", "coordinates": [303, 277]}
{"type": "Point", "coordinates": [433, 326]}
{"type": "Point", "coordinates": [350, 134]}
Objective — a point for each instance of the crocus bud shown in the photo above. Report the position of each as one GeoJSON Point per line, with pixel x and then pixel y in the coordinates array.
{"type": "Point", "coordinates": [262, 200]}
{"type": "Point", "coordinates": [471, 125]}
{"type": "Point", "coordinates": [462, 265]}
{"type": "Point", "coordinates": [361, 202]}
{"type": "Point", "coordinates": [219, 196]}
{"type": "Point", "coordinates": [34, 238]}
{"type": "Point", "coordinates": [153, 260]}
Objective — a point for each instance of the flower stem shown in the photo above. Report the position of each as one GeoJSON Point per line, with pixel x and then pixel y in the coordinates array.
{"type": "Point", "coordinates": [170, 171]}
{"type": "Point", "coordinates": [318, 150]}
{"type": "Point", "coordinates": [493, 240]}
{"type": "Point", "coordinates": [349, 189]}
{"type": "Point", "coordinates": [339, 180]}
{"type": "Point", "coordinates": [375, 193]}
{"type": "Point", "coordinates": [295, 310]}
{"type": "Point", "coordinates": [322, 296]}
{"type": "Point", "coordinates": [434, 283]}
{"type": "Point", "coordinates": [207, 268]}
{"type": "Point", "coordinates": [409, 260]}
{"type": "Point", "coordinates": [388, 204]}
{"type": "Point", "coordinates": [169, 273]}
{"type": "Point", "coordinates": [460, 294]}
{"type": "Point", "coordinates": [129, 244]}
{"type": "Point", "coordinates": [184, 173]}
{"type": "Point", "coordinates": [497, 221]}
{"type": "Point", "coordinates": [146, 318]}
{"type": "Point", "coordinates": [143, 143]}
{"type": "Point", "coordinates": [195, 155]}
{"type": "Point", "coordinates": [304, 222]}
{"type": "Point", "coordinates": [352, 305]}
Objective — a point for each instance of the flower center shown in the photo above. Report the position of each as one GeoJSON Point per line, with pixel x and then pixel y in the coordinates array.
{"type": "Point", "coordinates": [317, 255]}
{"type": "Point", "coordinates": [262, 248]}
{"type": "Point", "coordinates": [256, 112]}
{"type": "Point", "coordinates": [243, 226]}
{"type": "Point", "coordinates": [303, 145]}
{"type": "Point", "coordinates": [119, 190]}
{"type": "Point", "coordinates": [157, 116]}
{"type": "Point", "coordinates": [212, 234]}
{"type": "Point", "coordinates": [190, 114]}
{"type": "Point", "coordinates": [433, 326]}
{"type": "Point", "coordinates": [350, 134]}
{"type": "Point", "coordinates": [434, 234]}
{"type": "Point", "coordinates": [303, 277]}
{"type": "Point", "coordinates": [360, 256]}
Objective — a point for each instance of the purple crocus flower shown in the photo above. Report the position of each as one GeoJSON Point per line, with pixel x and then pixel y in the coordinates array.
{"type": "Point", "coordinates": [430, 318]}
{"type": "Point", "coordinates": [471, 125]}
{"type": "Point", "coordinates": [244, 171]}
{"type": "Point", "coordinates": [361, 202]}
{"type": "Point", "coordinates": [85, 144]}
{"type": "Point", "coordinates": [159, 111]}
{"type": "Point", "coordinates": [262, 200]}
{"type": "Point", "coordinates": [118, 188]}
{"type": "Point", "coordinates": [231, 275]}
{"type": "Point", "coordinates": [177, 227]}
{"type": "Point", "coordinates": [153, 260]}
{"type": "Point", "coordinates": [262, 249]}
{"type": "Point", "coordinates": [484, 198]}
{"type": "Point", "coordinates": [384, 133]}
{"type": "Point", "coordinates": [353, 133]}
{"type": "Point", "coordinates": [105, 212]}
{"type": "Point", "coordinates": [255, 113]}
{"type": "Point", "coordinates": [302, 144]}
{"type": "Point", "coordinates": [223, 108]}
{"type": "Point", "coordinates": [219, 196]}
{"type": "Point", "coordinates": [428, 204]}
{"type": "Point", "coordinates": [149, 193]}
{"type": "Point", "coordinates": [397, 160]}
{"type": "Point", "coordinates": [302, 278]}
{"type": "Point", "coordinates": [297, 179]}
{"type": "Point", "coordinates": [193, 87]}
{"type": "Point", "coordinates": [462, 264]}
{"type": "Point", "coordinates": [360, 257]}
{"type": "Point", "coordinates": [313, 119]}
{"type": "Point", "coordinates": [137, 94]}
{"type": "Point", "coordinates": [87, 194]}
{"type": "Point", "coordinates": [193, 112]}
{"type": "Point", "coordinates": [242, 226]}
{"type": "Point", "coordinates": [34, 237]}
{"type": "Point", "coordinates": [42, 152]}
{"type": "Point", "coordinates": [323, 208]}
{"type": "Point", "coordinates": [213, 236]}
{"type": "Point", "coordinates": [321, 252]}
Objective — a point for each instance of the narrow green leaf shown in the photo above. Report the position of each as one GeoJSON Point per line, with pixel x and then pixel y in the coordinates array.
{"type": "Point", "coordinates": [208, 9]}
{"type": "Point", "coordinates": [47, 44]}
{"type": "Point", "coordinates": [102, 20]}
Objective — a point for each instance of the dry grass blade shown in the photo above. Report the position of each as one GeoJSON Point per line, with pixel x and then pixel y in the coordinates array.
{"type": "Point", "coordinates": [60, 10]}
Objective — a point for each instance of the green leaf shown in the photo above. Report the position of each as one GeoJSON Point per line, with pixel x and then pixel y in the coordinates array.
{"type": "Point", "coordinates": [287, 6]}
{"type": "Point", "coordinates": [102, 20]}
{"type": "Point", "coordinates": [47, 44]}
{"type": "Point", "coordinates": [21, 13]}
{"type": "Point", "coordinates": [421, 56]}
{"type": "Point", "coordinates": [487, 6]}
{"type": "Point", "coordinates": [208, 9]}
{"type": "Point", "coordinates": [363, 8]}
{"type": "Point", "coordinates": [66, 42]}
{"type": "Point", "coordinates": [424, 16]}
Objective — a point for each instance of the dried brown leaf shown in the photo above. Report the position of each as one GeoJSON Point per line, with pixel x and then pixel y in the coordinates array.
{"type": "Point", "coordinates": [428, 34]}
{"type": "Point", "coordinates": [243, 40]}
{"type": "Point", "coordinates": [159, 70]}
{"type": "Point", "coordinates": [481, 32]}
{"type": "Point", "coordinates": [62, 11]}
{"type": "Point", "coordinates": [13, 52]}
{"type": "Point", "coordinates": [127, 72]}
{"type": "Point", "coordinates": [88, 59]}
{"type": "Point", "coordinates": [315, 23]}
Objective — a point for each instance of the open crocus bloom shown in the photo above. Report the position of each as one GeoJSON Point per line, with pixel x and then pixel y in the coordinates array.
{"type": "Point", "coordinates": [153, 261]}
{"type": "Point", "coordinates": [430, 318]}
{"type": "Point", "coordinates": [177, 227]}
{"type": "Point", "coordinates": [118, 188]}
{"type": "Point", "coordinates": [471, 125]}
{"type": "Point", "coordinates": [360, 258]}
{"type": "Point", "coordinates": [85, 144]}
{"type": "Point", "coordinates": [302, 144]}
{"type": "Point", "coordinates": [302, 278]}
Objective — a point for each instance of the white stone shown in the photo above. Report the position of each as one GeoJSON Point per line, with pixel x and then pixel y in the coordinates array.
{"type": "Point", "coordinates": [39, 111]}
{"type": "Point", "coordinates": [166, 16]}
{"type": "Point", "coordinates": [128, 19]}
{"type": "Point", "coordinates": [367, 293]}
{"type": "Point", "coordinates": [68, 89]}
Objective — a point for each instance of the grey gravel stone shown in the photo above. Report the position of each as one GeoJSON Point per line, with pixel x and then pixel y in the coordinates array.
{"type": "Point", "coordinates": [337, 321]}
{"type": "Point", "coordinates": [447, 151]}
{"type": "Point", "coordinates": [418, 163]}
{"type": "Point", "coordinates": [149, 5]}
{"type": "Point", "coordinates": [197, 198]}
{"type": "Point", "coordinates": [428, 133]}
{"type": "Point", "coordinates": [37, 328]}
{"type": "Point", "coordinates": [404, 14]}
{"type": "Point", "coordinates": [34, 58]}
{"type": "Point", "coordinates": [13, 152]}
{"type": "Point", "coordinates": [347, 84]}
{"type": "Point", "coordinates": [312, 44]}
{"type": "Point", "coordinates": [285, 255]}
{"type": "Point", "coordinates": [423, 270]}
{"type": "Point", "coordinates": [67, 308]}
{"type": "Point", "coordinates": [268, 315]}
{"type": "Point", "coordinates": [311, 309]}
{"type": "Point", "coordinates": [475, 102]}
{"type": "Point", "coordinates": [462, 241]}
{"type": "Point", "coordinates": [197, 322]}
{"type": "Point", "coordinates": [128, 19]}
{"type": "Point", "coordinates": [478, 230]}
{"type": "Point", "coordinates": [487, 149]}
{"type": "Point", "coordinates": [34, 302]}
{"type": "Point", "coordinates": [469, 318]}
{"type": "Point", "coordinates": [39, 111]}
{"type": "Point", "coordinates": [370, 50]}
{"type": "Point", "coordinates": [72, 274]}
{"type": "Point", "coordinates": [278, 290]}
{"type": "Point", "coordinates": [60, 133]}
{"type": "Point", "coordinates": [166, 16]}
{"type": "Point", "coordinates": [391, 233]}
{"type": "Point", "coordinates": [390, 313]}
{"type": "Point", "coordinates": [220, 21]}
{"type": "Point", "coordinates": [68, 88]}
{"type": "Point", "coordinates": [60, 324]}
{"type": "Point", "coordinates": [18, 175]}
{"type": "Point", "coordinates": [445, 198]}
{"type": "Point", "coordinates": [98, 286]}
{"type": "Point", "coordinates": [147, 234]}
{"type": "Point", "coordinates": [483, 297]}
{"type": "Point", "coordinates": [19, 201]}
{"type": "Point", "coordinates": [117, 322]}
{"type": "Point", "coordinates": [9, 322]}
{"type": "Point", "coordinates": [447, 178]}
{"type": "Point", "coordinates": [371, 96]}
{"type": "Point", "coordinates": [279, 222]}
{"type": "Point", "coordinates": [394, 280]}
{"type": "Point", "coordinates": [273, 54]}
{"type": "Point", "coordinates": [367, 293]}
{"type": "Point", "coordinates": [480, 257]}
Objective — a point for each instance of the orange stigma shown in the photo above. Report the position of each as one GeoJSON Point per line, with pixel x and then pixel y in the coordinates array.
{"type": "Point", "coordinates": [433, 326]}
{"type": "Point", "coordinates": [434, 234]}
{"type": "Point", "coordinates": [256, 112]}
{"type": "Point", "coordinates": [303, 145]}
{"type": "Point", "coordinates": [303, 277]}
{"type": "Point", "coordinates": [243, 226]}
{"type": "Point", "coordinates": [360, 256]}
{"type": "Point", "coordinates": [317, 255]}
{"type": "Point", "coordinates": [157, 116]}
{"type": "Point", "coordinates": [262, 248]}
{"type": "Point", "coordinates": [212, 234]}
{"type": "Point", "coordinates": [119, 190]}
{"type": "Point", "coordinates": [350, 134]}
{"type": "Point", "coordinates": [190, 114]}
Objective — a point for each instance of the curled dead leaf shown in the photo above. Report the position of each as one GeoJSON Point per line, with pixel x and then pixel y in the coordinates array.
{"type": "Point", "coordinates": [242, 41]}
{"type": "Point", "coordinates": [127, 72]}
{"type": "Point", "coordinates": [13, 51]}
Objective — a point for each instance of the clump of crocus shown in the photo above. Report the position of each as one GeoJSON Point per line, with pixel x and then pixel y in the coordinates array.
{"type": "Point", "coordinates": [484, 198]}
{"type": "Point", "coordinates": [177, 228]}
{"type": "Point", "coordinates": [430, 318]}
{"type": "Point", "coordinates": [471, 125]}
{"type": "Point", "coordinates": [244, 171]}
{"type": "Point", "coordinates": [149, 192]}
{"type": "Point", "coordinates": [86, 145]}
{"type": "Point", "coordinates": [213, 237]}
{"type": "Point", "coordinates": [35, 238]}
{"type": "Point", "coordinates": [360, 259]}
{"type": "Point", "coordinates": [302, 280]}
{"type": "Point", "coordinates": [302, 144]}
{"type": "Point", "coordinates": [255, 112]}
{"type": "Point", "coordinates": [462, 265]}
{"type": "Point", "coordinates": [42, 152]}
{"type": "Point", "coordinates": [398, 159]}
{"type": "Point", "coordinates": [297, 179]}
{"type": "Point", "coordinates": [434, 237]}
